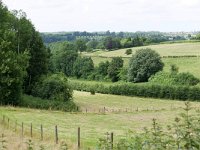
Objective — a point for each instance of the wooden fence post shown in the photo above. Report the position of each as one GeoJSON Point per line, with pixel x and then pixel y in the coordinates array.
{"type": "Point", "coordinates": [56, 134]}
{"type": "Point", "coordinates": [31, 130]}
{"type": "Point", "coordinates": [42, 133]}
{"type": "Point", "coordinates": [22, 130]}
{"type": "Point", "coordinates": [8, 123]}
{"type": "Point", "coordinates": [111, 140]}
{"type": "Point", "coordinates": [79, 137]}
{"type": "Point", "coordinates": [15, 125]}
{"type": "Point", "coordinates": [3, 119]}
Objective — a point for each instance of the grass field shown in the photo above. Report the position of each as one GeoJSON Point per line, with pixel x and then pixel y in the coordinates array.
{"type": "Point", "coordinates": [94, 124]}
{"type": "Point", "coordinates": [176, 49]}
{"type": "Point", "coordinates": [185, 64]}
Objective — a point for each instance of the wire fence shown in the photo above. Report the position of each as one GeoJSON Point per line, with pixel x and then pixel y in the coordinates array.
{"type": "Point", "coordinates": [52, 133]}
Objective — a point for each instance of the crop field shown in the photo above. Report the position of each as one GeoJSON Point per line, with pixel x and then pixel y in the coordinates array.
{"type": "Point", "coordinates": [100, 114]}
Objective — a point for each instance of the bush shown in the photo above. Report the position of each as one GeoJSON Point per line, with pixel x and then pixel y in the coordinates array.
{"type": "Point", "coordinates": [128, 51]}
{"type": "Point", "coordinates": [54, 87]}
{"type": "Point", "coordinates": [165, 78]}
{"type": "Point", "coordinates": [143, 65]}
{"type": "Point", "coordinates": [38, 103]}
{"type": "Point", "coordinates": [187, 79]}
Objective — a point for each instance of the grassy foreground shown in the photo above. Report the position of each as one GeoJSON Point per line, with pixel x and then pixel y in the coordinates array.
{"type": "Point", "coordinates": [95, 124]}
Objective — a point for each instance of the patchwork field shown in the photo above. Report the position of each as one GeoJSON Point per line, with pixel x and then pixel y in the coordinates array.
{"type": "Point", "coordinates": [122, 114]}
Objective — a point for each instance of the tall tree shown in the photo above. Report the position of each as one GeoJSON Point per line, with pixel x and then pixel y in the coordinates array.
{"type": "Point", "coordinates": [143, 65]}
{"type": "Point", "coordinates": [12, 64]}
{"type": "Point", "coordinates": [114, 68]}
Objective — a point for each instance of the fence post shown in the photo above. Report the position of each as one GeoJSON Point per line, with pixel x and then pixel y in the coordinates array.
{"type": "Point", "coordinates": [111, 140]}
{"type": "Point", "coordinates": [56, 134]}
{"type": "Point", "coordinates": [137, 109]}
{"type": "Point", "coordinates": [15, 125]}
{"type": "Point", "coordinates": [104, 110]}
{"type": "Point", "coordinates": [41, 132]}
{"type": "Point", "coordinates": [3, 119]}
{"type": "Point", "coordinates": [31, 130]}
{"type": "Point", "coordinates": [8, 123]}
{"type": "Point", "coordinates": [22, 130]}
{"type": "Point", "coordinates": [79, 138]}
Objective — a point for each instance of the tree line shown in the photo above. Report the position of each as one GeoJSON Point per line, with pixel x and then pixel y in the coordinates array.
{"type": "Point", "coordinates": [153, 36]}
{"type": "Point", "coordinates": [24, 62]}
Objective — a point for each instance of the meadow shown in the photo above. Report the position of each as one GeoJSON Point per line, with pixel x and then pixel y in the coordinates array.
{"type": "Point", "coordinates": [121, 114]}
{"type": "Point", "coordinates": [185, 64]}
{"type": "Point", "coordinates": [175, 49]}
{"type": "Point", "coordinates": [102, 113]}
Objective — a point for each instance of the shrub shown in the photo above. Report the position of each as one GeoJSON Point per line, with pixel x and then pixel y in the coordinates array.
{"type": "Point", "coordinates": [187, 79]}
{"type": "Point", "coordinates": [165, 78]}
{"type": "Point", "coordinates": [38, 103]}
{"type": "Point", "coordinates": [128, 51]}
{"type": "Point", "coordinates": [54, 87]}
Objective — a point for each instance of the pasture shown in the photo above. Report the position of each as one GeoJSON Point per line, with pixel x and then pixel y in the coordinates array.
{"type": "Point", "coordinates": [175, 49]}
{"type": "Point", "coordinates": [185, 64]}
{"type": "Point", "coordinates": [122, 114]}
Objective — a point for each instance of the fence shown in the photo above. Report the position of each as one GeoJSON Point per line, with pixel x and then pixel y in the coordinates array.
{"type": "Point", "coordinates": [28, 130]}
{"type": "Point", "coordinates": [52, 133]}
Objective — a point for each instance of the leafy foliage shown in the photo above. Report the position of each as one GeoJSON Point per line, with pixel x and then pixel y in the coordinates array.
{"type": "Point", "coordinates": [186, 79]}
{"type": "Point", "coordinates": [12, 63]}
{"type": "Point", "coordinates": [143, 65]}
{"type": "Point", "coordinates": [141, 90]}
{"type": "Point", "coordinates": [128, 51]}
{"type": "Point", "coordinates": [54, 87]}
{"type": "Point", "coordinates": [38, 103]}
{"type": "Point", "coordinates": [114, 68]}
{"type": "Point", "coordinates": [182, 134]}
{"type": "Point", "coordinates": [83, 66]}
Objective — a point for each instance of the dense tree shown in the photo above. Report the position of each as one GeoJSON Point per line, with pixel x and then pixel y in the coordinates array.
{"type": "Point", "coordinates": [12, 64]}
{"type": "Point", "coordinates": [67, 61]}
{"type": "Point", "coordinates": [38, 63]}
{"type": "Point", "coordinates": [111, 43]}
{"type": "Point", "coordinates": [143, 64]}
{"type": "Point", "coordinates": [63, 56]}
{"type": "Point", "coordinates": [83, 66]}
{"type": "Point", "coordinates": [80, 45]}
{"type": "Point", "coordinates": [22, 50]}
{"type": "Point", "coordinates": [91, 45]}
{"type": "Point", "coordinates": [114, 68]}
{"type": "Point", "coordinates": [103, 68]}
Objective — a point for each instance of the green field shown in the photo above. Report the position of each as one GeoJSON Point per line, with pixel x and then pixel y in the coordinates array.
{"type": "Point", "coordinates": [176, 49]}
{"type": "Point", "coordinates": [94, 124]}
{"type": "Point", "coordinates": [185, 64]}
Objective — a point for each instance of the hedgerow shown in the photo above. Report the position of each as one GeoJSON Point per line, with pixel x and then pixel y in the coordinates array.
{"type": "Point", "coordinates": [142, 90]}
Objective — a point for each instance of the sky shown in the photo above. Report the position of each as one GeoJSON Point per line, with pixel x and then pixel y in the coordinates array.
{"type": "Point", "coordinates": [113, 15]}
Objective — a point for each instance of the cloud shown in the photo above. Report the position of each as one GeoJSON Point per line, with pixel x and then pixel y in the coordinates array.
{"type": "Point", "coordinates": [95, 15]}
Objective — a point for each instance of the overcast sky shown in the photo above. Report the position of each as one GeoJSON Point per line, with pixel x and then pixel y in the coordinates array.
{"type": "Point", "coordinates": [113, 15]}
